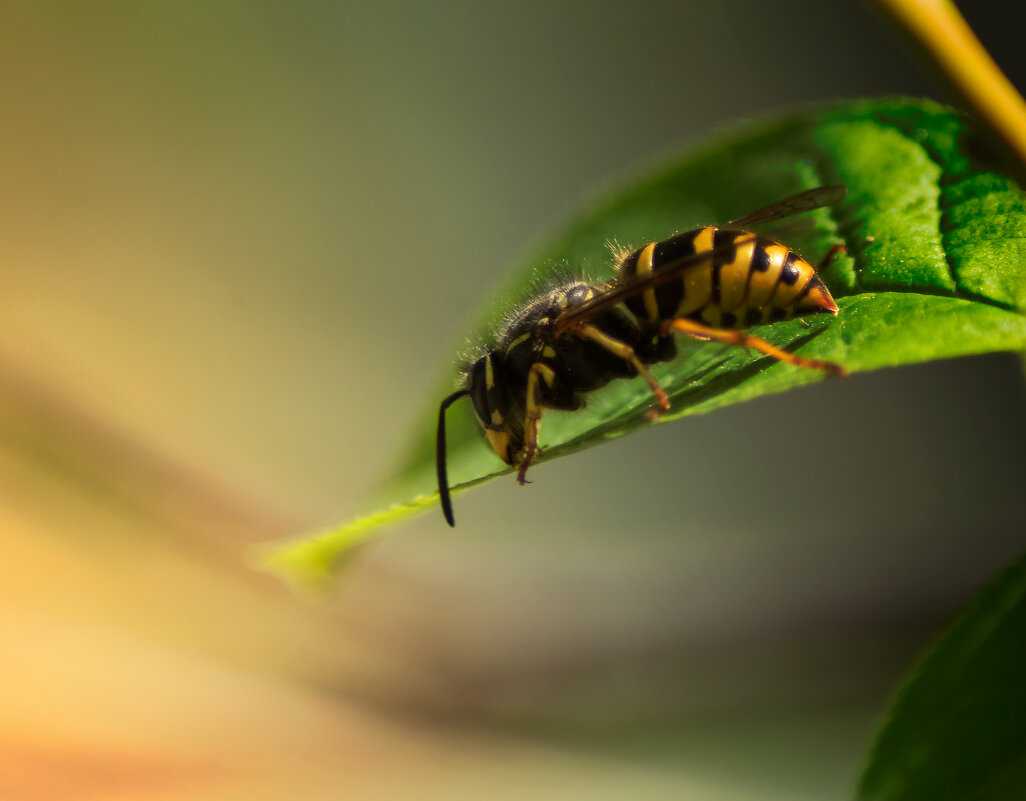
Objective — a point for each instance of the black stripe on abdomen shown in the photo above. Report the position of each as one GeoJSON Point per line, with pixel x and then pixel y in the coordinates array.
{"type": "Point", "coordinates": [667, 254]}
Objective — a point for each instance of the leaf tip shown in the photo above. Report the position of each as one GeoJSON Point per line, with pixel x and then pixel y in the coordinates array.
{"type": "Point", "coordinates": [313, 562]}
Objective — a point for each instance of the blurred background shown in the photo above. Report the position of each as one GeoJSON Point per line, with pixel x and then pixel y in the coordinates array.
{"type": "Point", "coordinates": [239, 242]}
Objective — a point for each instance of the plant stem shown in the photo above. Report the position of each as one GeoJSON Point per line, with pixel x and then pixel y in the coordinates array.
{"type": "Point", "coordinates": [940, 28]}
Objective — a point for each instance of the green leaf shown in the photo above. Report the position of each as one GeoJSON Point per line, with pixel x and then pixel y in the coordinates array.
{"type": "Point", "coordinates": [936, 245]}
{"type": "Point", "coordinates": [958, 728]}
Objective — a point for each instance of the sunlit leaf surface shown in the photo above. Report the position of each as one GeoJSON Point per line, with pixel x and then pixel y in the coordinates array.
{"type": "Point", "coordinates": [936, 243]}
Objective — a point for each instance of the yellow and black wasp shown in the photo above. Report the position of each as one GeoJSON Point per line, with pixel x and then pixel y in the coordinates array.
{"type": "Point", "coordinates": [710, 283]}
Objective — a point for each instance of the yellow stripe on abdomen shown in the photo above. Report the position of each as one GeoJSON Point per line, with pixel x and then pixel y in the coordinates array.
{"type": "Point", "coordinates": [763, 283]}
{"type": "Point", "coordinates": [697, 279]}
{"type": "Point", "coordinates": [643, 269]}
{"type": "Point", "coordinates": [792, 282]}
{"type": "Point", "coordinates": [734, 275]}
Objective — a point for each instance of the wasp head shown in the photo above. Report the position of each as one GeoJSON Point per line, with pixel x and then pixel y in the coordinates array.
{"type": "Point", "coordinates": [491, 401]}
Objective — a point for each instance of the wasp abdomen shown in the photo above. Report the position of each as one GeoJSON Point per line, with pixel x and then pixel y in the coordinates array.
{"type": "Point", "coordinates": [747, 280]}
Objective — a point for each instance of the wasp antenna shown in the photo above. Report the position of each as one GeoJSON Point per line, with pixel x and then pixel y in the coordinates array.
{"type": "Point", "coordinates": [440, 457]}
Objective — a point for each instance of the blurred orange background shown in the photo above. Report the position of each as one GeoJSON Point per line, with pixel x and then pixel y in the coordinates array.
{"type": "Point", "coordinates": [238, 243]}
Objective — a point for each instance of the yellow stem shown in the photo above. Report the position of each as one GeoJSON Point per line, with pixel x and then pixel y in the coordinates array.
{"type": "Point", "coordinates": [942, 30]}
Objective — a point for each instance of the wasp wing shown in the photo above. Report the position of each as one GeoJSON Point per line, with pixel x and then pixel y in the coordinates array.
{"type": "Point", "coordinates": [619, 292]}
{"type": "Point", "coordinates": [795, 204]}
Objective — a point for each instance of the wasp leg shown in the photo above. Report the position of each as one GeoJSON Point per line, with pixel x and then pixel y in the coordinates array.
{"type": "Point", "coordinates": [626, 352]}
{"type": "Point", "coordinates": [532, 419]}
{"type": "Point", "coordinates": [744, 340]}
{"type": "Point", "coordinates": [829, 257]}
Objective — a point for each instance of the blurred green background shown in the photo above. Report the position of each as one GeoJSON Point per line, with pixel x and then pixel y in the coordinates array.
{"type": "Point", "coordinates": [238, 244]}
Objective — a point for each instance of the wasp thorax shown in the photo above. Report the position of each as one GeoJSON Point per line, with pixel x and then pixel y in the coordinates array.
{"type": "Point", "coordinates": [577, 294]}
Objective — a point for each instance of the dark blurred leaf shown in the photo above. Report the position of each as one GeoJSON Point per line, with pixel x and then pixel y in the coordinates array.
{"type": "Point", "coordinates": [958, 728]}
{"type": "Point", "coordinates": [934, 269]}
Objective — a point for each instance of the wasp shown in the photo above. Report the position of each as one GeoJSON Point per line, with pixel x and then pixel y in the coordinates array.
{"type": "Point", "coordinates": [709, 283]}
